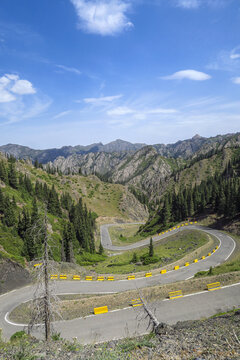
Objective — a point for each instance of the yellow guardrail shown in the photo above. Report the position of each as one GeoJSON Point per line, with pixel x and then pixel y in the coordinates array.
{"type": "Point", "coordinates": [63, 277]}
{"type": "Point", "coordinates": [76, 277]}
{"type": "Point", "coordinates": [137, 302]}
{"type": "Point", "coordinates": [148, 274]}
{"type": "Point", "coordinates": [100, 278]}
{"type": "Point", "coordinates": [88, 278]}
{"type": "Point", "coordinates": [175, 294]}
{"type": "Point", "coordinates": [131, 277]}
{"type": "Point", "coordinates": [176, 267]}
{"type": "Point", "coordinates": [196, 260]}
{"type": "Point", "coordinates": [186, 264]}
{"type": "Point", "coordinates": [53, 277]}
{"type": "Point", "coordinates": [110, 278]}
{"type": "Point", "coordinates": [213, 286]}
{"type": "Point", "coordinates": [163, 271]}
{"type": "Point", "coordinates": [100, 310]}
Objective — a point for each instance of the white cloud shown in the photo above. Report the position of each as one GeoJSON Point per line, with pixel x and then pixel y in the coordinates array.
{"type": "Point", "coordinates": [23, 87]}
{"type": "Point", "coordinates": [69, 69]}
{"type": "Point", "coordinates": [105, 17]}
{"type": "Point", "coordinates": [188, 4]}
{"type": "Point", "coordinates": [236, 80]}
{"type": "Point", "coordinates": [194, 4]}
{"type": "Point", "coordinates": [121, 110]}
{"type": "Point", "coordinates": [188, 74]}
{"type": "Point", "coordinates": [62, 114]}
{"type": "Point", "coordinates": [12, 77]}
{"type": "Point", "coordinates": [102, 99]}
{"type": "Point", "coordinates": [161, 111]}
{"type": "Point", "coordinates": [5, 96]}
{"type": "Point", "coordinates": [10, 85]}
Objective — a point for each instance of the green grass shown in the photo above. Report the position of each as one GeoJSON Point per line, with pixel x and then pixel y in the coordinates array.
{"type": "Point", "coordinates": [167, 250]}
{"type": "Point", "coordinates": [124, 234]}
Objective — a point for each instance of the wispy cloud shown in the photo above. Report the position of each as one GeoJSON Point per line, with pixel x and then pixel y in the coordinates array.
{"type": "Point", "coordinates": [121, 110]}
{"type": "Point", "coordinates": [226, 60]}
{"type": "Point", "coordinates": [188, 4]}
{"type": "Point", "coordinates": [105, 17]}
{"type": "Point", "coordinates": [188, 74]}
{"type": "Point", "coordinates": [194, 4]}
{"type": "Point", "coordinates": [236, 80]}
{"type": "Point", "coordinates": [69, 69]}
{"type": "Point", "coordinates": [62, 114]}
{"type": "Point", "coordinates": [101, 100]}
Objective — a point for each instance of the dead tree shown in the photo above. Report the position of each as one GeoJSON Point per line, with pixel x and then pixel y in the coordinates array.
{"type": "Point", "coordinates": [44, 308]}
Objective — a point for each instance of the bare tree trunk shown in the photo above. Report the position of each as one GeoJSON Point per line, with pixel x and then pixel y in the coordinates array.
{"type": "Point", "coordinates": [47, 311]}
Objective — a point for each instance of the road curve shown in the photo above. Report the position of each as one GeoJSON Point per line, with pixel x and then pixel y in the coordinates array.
{"type": "Point", "coordinates": [112, 327]}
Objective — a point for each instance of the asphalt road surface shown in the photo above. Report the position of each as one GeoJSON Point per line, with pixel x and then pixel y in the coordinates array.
{"type": "Point", "coordinates": [130, 321]}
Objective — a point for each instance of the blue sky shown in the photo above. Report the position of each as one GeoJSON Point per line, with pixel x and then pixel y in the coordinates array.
{"type": "Point", "coordinates": [84, 71]}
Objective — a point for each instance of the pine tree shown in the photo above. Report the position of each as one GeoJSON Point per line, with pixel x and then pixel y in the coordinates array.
{"type": "Point", "coordinates": [151, 251]}
{"type": "Point", "coordinates": [12, 176]}
{"type": "Point", "coordinates": [101, 249]}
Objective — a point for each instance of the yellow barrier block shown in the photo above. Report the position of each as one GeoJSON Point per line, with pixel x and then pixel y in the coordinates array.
{"type": "Point", "coordinates": [213, 286]}
{"type": "Point", "coordinates": [163, 271]}
{"type": "Point", "coordinates": [182, 225]}
{"type": "Point", "coordinates": [196, 260]}
{"type": "Point", "coordinates": [131, 277]}
{"type": "Point", "coordinates": [88, 278]}
{"type": "Point", "coordinates": [63, 277]}
{"type": "Point", "coordinates": [100, 278]}
{"type": "Point", "coordinates": [209, 254]}
{"type": "Point", "coordinates": [216, 247]}
{"type": "Point", "coordinates": [53, 277]}
{"type": "Point", "coordinates": [191, 223]}
{"type": "Point", "coordinates": [186, 224]}
{"type": "Point", "coordinates": [213, 250]}
{"type": "Point", "coordinates": [176, 267]}
{"type": "Point", "coordinates": [186, 264]}
{"type": "Point", "coordinates": [148, 274]}
{"type": "Point", "coordinates": [174, 228]}
{"type": "Point", "coordinates": [100, 310]}
{"type": "Point", "coordinates": [178, 226]}
{"type": "Point", "coordinates": [36, 265]}
{"type": "Point", "coordinates": [203, 257]}
{"type": "Point", "coordinates": [175, 294]}
{"type": "Point", "coordinates": [137, 302]}
{"type": "Point", "coordinates": [76, 277]}
{"type": "Point", "coordinates": [110, 278]}
{"type": "Point", "coordinates": [195, 222]}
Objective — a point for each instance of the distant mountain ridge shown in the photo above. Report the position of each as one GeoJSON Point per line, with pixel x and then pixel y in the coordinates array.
{"type": "Point", "coordinates": [185, 149]}
{"type": "Point", "coordinates": [44, 156]}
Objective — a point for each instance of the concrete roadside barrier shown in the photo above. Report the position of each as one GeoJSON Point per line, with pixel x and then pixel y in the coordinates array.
{"type": "Point", "coordinates": [88, 278]}
{"type": "Point", "coordinates": [176, 267]}
{"type": "Point", "coordinates": [148, 274]}
{"type": "Point", "coordinates": [186, 264]}
{"type": "Point", "coordinates": [131, 277]}
{"type": "Point", "coordinates": [100, 278]}
{"type": "Point", "coordinates": [203, 257]}
{"type": "Point", "coordinates": [53, 277]}
{"type": "Point", "coordinates": [214, 286]}
{"type": "Point", "coordinates": [163, 271]}
{"type": "Point", "coordinates": [209, 254]}
{"type": "Point", "coordinates": [137, 302]}
{"type": "Point", "coordinates": [63, 277]}
{"type": "Point", "coordinates": [110, 278]}
{"type": "Point", "coordinates": [196, 260]}
{"type": "Point", "coordinates": [76, 277]}
{"type": "Point", "coordinates": [175, 294]}
{"type": "Point", "coordinates": [100, 310]}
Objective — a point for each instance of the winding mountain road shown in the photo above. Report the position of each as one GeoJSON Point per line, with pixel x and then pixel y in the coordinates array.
{"type": "Point", "coordinates": [130, 321]}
